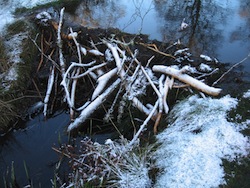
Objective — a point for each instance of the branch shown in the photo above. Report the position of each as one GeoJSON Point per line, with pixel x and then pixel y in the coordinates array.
{"type": "Point", "coordinates": [102, 82]}
{"type": "Point", "coordinates": [86, 112]}
{"type": "Point", "coordinates": [49, 89]}
{"type": "Point", "coordinates": [136, 136]}
{"type": "Point", "coordinates": [187, 79]}
{"type": "Point", "coordinates": [216, 82]}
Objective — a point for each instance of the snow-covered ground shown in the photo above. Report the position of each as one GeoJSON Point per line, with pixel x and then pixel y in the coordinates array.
{"type": "Point", "coordinates": [247, 94]}
{"type": "Point", "coordinates": [13, 45]}
{"type": "Point", "coordinates": [198, 137]}
{"type": "Point", "coordinates": [7, 7]}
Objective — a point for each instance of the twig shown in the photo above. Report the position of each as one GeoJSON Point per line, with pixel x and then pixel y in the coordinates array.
{"type": "Point", "coordinates": [48, 57]}
{"type": "Point", "coordinates": [156, 50]}
{"type": "Point", "coordinates": [41, 60]}
{"type": "Point", "coordinates": [136, 136]}
{"type": "Point", "coordinates": [235, 65]}
{"type": "Point", "coordinates": [37, 89]}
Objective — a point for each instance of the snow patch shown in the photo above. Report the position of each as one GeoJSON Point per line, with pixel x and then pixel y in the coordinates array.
{"type": "Point", "coordinates": [14, 47]}
{"type": "Point", "coordinates": [8, 7]}
{"type": "Point", "coordinates": [205, 67]}
{"type": "Point", "coordinates": [194, 144]}
{"type": "Point", "coordinates": [247, 94]}
{"type": "Point", "coordinates": [205, 57]}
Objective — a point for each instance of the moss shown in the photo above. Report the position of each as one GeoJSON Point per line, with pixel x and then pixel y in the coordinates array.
{"type": "Point", "coordinates": [237, 174]}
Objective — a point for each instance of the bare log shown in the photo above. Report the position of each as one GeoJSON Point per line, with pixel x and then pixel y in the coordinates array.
{"type": "Point", "coordinates": [187, 79]}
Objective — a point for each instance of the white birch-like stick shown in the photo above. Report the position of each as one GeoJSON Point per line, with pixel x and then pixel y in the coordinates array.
{"type": "Point", "coordinates": [114, 51]}
{"type": "Point", "coordinates": [77, 45]}
{"type": "Point", "coordinates": [136, 136]}
{"type": "Point", "coordinates": [96, 52]}
{"type": "Point", "coordinates": [140, 106]}
{"type": "Point", "coordinates": [49, 89]}
{"type": "Point", "coordinates": [59, 42]}
{"type": "Point", "coordinates": [73, 87]}
{"type": "Point", "coordinates": [73, 91]}
{"type": "Point", "coordinates": [187, 79]}
{"type": "Point", "coordinates": [151, 82]}
{"type": "Point", "coordinates": [102, 82]}
{"type": "Point", "coordinates": [64, 82]}
{"type": "Point", "coordinates": [86, 112]}
{"type": "Point", "coordinates": [167, 85]}
{"type": "Point", "coordinates": [89, 70]}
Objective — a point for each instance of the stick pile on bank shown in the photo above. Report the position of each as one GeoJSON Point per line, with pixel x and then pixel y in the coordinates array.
{"type": "Point", "coordinates": [114, 69]}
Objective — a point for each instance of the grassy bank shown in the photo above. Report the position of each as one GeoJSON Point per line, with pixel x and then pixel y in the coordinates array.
{"type": "Point", "coordinates": [18, 54]}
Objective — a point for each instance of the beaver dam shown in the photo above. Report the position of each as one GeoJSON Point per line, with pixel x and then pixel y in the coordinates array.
{"type": "Point", "coordinates": [167, 117]}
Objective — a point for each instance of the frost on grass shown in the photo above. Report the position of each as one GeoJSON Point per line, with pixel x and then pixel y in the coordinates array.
{"type": "Point", "coordinates": [14, 49]}
{"type": "Point", "coordinates": [197, 139]}
{"type": "Point", "coordinates": [113, 164]}
{"type": "Point", "coordinates": [8, 7]}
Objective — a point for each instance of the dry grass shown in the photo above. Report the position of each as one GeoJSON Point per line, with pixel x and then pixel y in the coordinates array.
{"type": "Point", "coordinates": [3, 58]}
{"type": "Point", "coordinates": [7, 113]}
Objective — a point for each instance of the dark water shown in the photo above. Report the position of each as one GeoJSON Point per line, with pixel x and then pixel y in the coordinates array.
{"type": "Point", "coordinates": [219, 29]}
{"type": "Point", "coordinates": [33, 145]}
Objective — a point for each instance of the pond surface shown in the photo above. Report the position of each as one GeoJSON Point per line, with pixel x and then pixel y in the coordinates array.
{"type": "Point", "coordinates": [219, 29]}
{"type": "Point", "coordinates": [33, 145]}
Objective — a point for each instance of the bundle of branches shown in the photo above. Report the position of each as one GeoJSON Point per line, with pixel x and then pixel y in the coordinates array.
{"type": "Point", "coordinates": [110, 66]}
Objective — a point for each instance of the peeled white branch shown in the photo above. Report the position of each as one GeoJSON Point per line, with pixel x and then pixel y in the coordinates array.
{"type": "Point", "coordinates": [167, 85]}
{"type": "Point", "coordinates": [187, 79]}
{"type": "Point", "coordinates": [115, 54]}
{"type": "Point", "coordinates": [77, 45]}
{"type": "Point", "coordinates": [140, 106]}
{"type": "Point", "coordinates": [96, 52]}
{"type": "Point", "coordinates": [89, 70]}
{"type": "Point", "coordinates": [86, 112]}
{"type": "Point", "coordinates": [59, 42]}
{"type": "Point", "coordinates": [64, 82]}
{"type": "Point", "coordinates": [73, 88]}
{"type": "Point", "coordinates": [102, 82]}
{"type": "Point", "coordinates": [136, 136]}
{"type": "Point", "coordinates": [49, 89]}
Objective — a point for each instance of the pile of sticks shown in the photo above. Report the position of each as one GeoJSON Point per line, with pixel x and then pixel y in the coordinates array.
{"type": "Point", "coordinates": [115, 69]}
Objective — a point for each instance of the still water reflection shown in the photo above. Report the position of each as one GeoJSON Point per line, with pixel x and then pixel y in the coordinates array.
{"type": "Point", "coordinates": [217, 28]}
